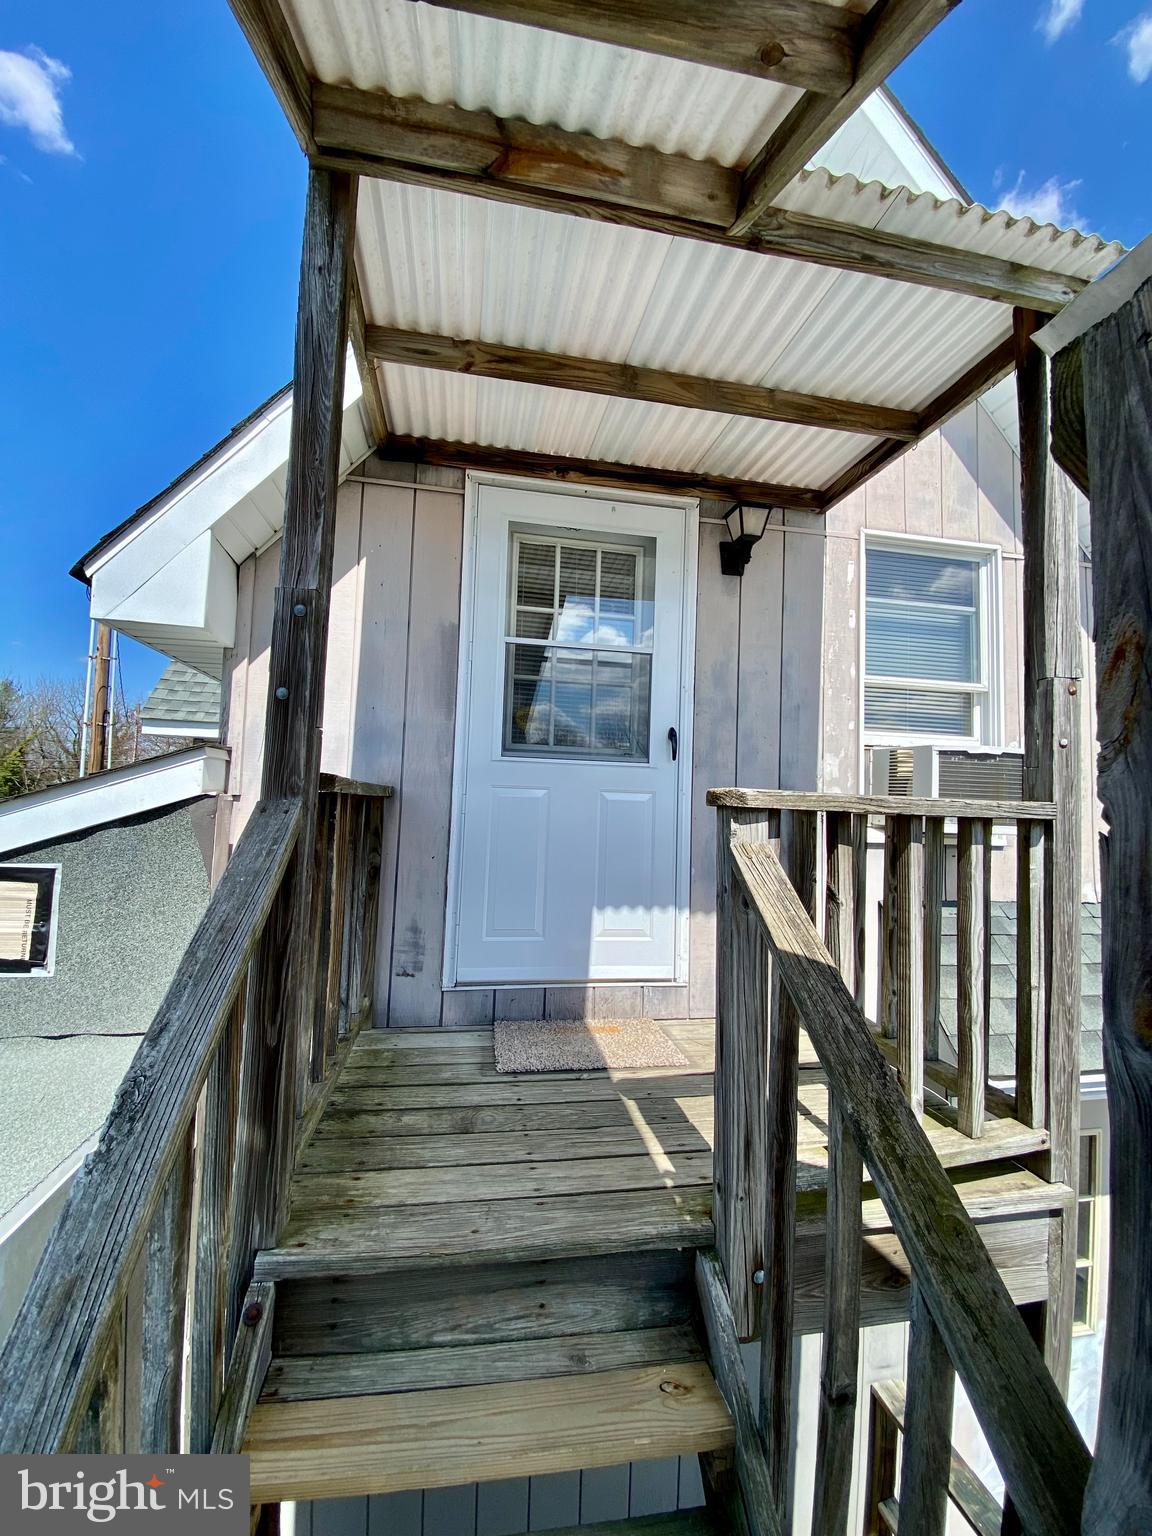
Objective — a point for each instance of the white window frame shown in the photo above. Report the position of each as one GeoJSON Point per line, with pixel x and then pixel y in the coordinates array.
{"type": "Point", "coordinates": [990, 616]}
{"type": "Point", "coordinates": [49, 966]}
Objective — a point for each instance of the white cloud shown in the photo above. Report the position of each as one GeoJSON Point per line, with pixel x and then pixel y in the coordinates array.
{"type": "Point", "coordinates": [1137, 39]}
{"type": "Point", "coordinates": [30, 98]}
{"type": "Point", "coordinates": [1058, 17]}
{"type": "Point", "coordinates": [1049, 203]}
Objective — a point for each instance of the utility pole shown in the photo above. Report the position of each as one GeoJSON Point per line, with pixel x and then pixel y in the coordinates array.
{"type": "Point", "coordinates": [97, 754]}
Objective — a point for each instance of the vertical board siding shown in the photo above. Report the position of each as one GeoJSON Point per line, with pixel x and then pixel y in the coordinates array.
{"type": "Point", "coordinates": [713, 753]}
{"type": "Point", "coordinates": [803, 628]}
{"type": "Point", "coordinates": [425, 801]}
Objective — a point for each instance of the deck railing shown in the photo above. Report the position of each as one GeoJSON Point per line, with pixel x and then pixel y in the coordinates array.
{"type": "Point", "coordinates": [775, 974]}
{"type": "Point", "coordinates": [155, 1243]}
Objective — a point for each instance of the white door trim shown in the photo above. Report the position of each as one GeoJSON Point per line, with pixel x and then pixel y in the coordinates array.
{"type": "Point", "coordinates": [689, 509]}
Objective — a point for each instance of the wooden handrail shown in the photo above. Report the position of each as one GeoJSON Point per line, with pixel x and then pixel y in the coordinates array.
{"type": "Point", "coordinates": [53, 1357]}
{"type": "Point", "coordinates": [882, 805]}
{"type": "Point", "coordinates": [1031, 1433]}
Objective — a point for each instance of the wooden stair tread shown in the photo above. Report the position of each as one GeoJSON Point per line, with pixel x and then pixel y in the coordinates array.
{"type": "Point", "coordinates": [684, 1522]}
{"type": "Point", "coordinates": [374, 1239]}
{"type": "Point", "coordinates": [343, 1447]}
{"type": "Point", "coordinates": [295, 1378]}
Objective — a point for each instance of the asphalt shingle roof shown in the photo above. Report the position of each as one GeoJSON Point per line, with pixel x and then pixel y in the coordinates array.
{"type": "Point", "coordinates": [184, 694]}
{"type": "Point", "coordinates": [1002, 1018]}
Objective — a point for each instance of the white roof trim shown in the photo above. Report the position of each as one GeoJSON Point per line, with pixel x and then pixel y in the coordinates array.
{"type": "Point", "coordinates": [63, 809]}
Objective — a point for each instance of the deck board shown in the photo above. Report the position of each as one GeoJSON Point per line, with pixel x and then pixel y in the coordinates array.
{"type": "Point", "coordinates": [425, 1155]}
{"type": "Point", "coordinates": [341, 1447]}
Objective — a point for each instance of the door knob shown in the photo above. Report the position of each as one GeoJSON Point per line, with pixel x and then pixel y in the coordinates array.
{"type": "Point", "coordinates": [673, 741]}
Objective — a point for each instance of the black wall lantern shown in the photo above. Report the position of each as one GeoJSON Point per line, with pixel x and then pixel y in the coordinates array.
{"type": "Point", "coordinates": [746, 527]}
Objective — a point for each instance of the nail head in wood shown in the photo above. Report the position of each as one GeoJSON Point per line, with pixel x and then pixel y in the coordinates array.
{"type": "Point", "coordinates": [299, 610]}
{"type": "Point", "coordinates": [253, 1312]}
{"type": "Point", "coordinates": [281, 694]}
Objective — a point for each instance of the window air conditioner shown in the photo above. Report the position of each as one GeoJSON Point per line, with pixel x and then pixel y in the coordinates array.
{"type": "Point", "coordinates": [930, 773]}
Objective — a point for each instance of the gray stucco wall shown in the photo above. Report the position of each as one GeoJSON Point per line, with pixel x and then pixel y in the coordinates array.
{"type": "Point", "coordinates": [130, 895]}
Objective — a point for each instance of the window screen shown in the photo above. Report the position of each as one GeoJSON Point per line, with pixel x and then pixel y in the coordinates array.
{"type": "Point", "coordinates": [26, 894]}
{"type": "Point", "coordinates": [578, 663]}
{"type": "Point", "coordinates": [924, 663]}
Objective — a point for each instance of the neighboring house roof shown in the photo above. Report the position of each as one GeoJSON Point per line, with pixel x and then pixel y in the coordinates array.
{"type": "Point", "coordinates": [1002, 1019]}
{"type": "Point", "coordinates": [129, 894]}
{"type": "Point", "coordinates": [183, 703]}
{"type": "Point", "coordinates": [117, 793]}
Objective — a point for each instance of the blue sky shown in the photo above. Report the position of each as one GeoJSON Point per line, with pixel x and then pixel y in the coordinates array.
{"type": "Point", "coordinates": [150, 204]}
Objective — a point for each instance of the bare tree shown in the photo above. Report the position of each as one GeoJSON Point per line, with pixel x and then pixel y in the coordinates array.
{"type": "Point", "coordinates": [42, 728]}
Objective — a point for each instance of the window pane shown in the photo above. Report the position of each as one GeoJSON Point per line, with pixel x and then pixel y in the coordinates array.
{"type": "Point", "coordinates": [918, 711]}
{"type": "Point", "coordinates": [533, 625]}
{"type": "Point", "coordinates": [1088, 1165]}
{"type": "Point", "coordinates": [536, 575]}
{"type": "Point", "coordinates": [914, 575]}
{"type": "Point", "coordinates": [906, 640]}
{"type": "Point", "coordinates": [1080, 1312]}
{"type": "Point", "coordinates": [1084, 1230]}
{"type": "Point", "coordinates": [567, 701]}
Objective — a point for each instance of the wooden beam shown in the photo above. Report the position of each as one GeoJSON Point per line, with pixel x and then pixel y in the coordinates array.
{"type": "Point", "coordinates": [997, 365]}
{"type": "Point", "coordinates": [477, 153]}
{"type": "Point", "coordinates": [1052, 669]}
{"type": "Point", "coordinates": [893, 28]}
{"type": "Point", "coordinates": [271, 40]}
{"type": "Point", "coordinates": [626, 381]}
{"type": "Point", "coordinates": [810, 46]}
{"type": "Point", "coordinates": [365, 364]}
{"type": "Point", "coordinates": [514, 461]}
{"type": "Point", "coordinates": [1117, 364]}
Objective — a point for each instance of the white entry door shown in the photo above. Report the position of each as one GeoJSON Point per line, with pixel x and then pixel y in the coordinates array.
{"type": "Point", "coordinates": [568, 841]}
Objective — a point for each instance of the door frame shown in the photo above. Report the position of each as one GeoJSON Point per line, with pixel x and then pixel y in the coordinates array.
{"type": "Point", "coordinates": [689, 510]}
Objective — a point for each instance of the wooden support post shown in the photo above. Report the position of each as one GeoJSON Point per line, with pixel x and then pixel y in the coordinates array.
{"type": "Point", "coordinates": [907, 833]}
{"type": "Point", "coordinates": [1052, 669]}
{"type": "Point", "coordinates": [927, 1426]}
{"type": "Point", "coordinates": [743, 996]}
{"type": "Point", "coordinates": [841, 1351]}
{"type": "Point", "coordinates": [1031, 971]}
{"type": "Point", "coordinates": [933, 911]}
{"type": "Point", "coordinates": [1118, 411]}
{"type": "Point", "coordinates": [283, 981]}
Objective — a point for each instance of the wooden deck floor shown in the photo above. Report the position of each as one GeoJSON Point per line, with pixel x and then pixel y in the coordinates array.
{"type": "Point", "coordinates": [425, 1153]}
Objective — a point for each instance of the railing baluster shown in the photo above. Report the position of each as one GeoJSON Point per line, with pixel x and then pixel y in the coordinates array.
{"type": "Point", "coordinates": [973, 921]}
{"type": "Point", "coordinates": [337, 955]}
{"type": "Point", "coordinates": [883, 1445]}
{"type": "Point", "coordinates": [743, 997]}
{"type": "Point", "coordinates": [780, 1193]}
{"type": "Point", "coordinates": [886, 1003]}
{"type": "Point", "coordinates": [907, 836]}
{"type": "Point", "coordinates": [1031, 971]}
{"type": "Point", "coordinates": [841, 1349]}
{"type": "Point", "coordinates": [927, 1461]}
{"type": "Point", "coordinates": [216, 1149]}
{"type": "Point", "coordinates": [933, 913]}
{"type": "Point", "coordinates": [162, 1311]}
{"type": "Point", "coordinates": [322, 903]}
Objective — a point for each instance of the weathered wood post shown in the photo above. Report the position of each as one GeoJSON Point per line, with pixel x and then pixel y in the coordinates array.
{"type": "Point", "coordinates": [278, 1022]}
{"type": "Point", "coordinates": [1117, 365]}
{"type": "Point", "coordinates": [1052, 672]}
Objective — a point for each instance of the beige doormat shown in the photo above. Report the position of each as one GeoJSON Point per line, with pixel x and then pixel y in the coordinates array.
{"type": "Point", "coordinates": [578, 1045]}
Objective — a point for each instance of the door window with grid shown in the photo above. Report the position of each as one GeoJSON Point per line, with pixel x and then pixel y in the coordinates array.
{"type": "Point", "coordinates": [926, 651]}
{"type": "Point", "coordinates": [578, 662]}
